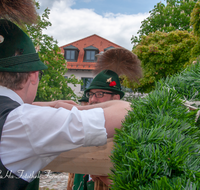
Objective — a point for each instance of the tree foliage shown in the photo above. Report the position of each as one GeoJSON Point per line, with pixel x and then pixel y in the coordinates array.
{"type": "Point", "coordinates": [53, 85]}
{"type": "Point", "coordinates": [166, 18]}
{"type": "Point", "coordinates": [162, 55]}
{"type": "Point", "coordinates": [195, 22]}
{"type": "Point", "coordinates": [195, 19]}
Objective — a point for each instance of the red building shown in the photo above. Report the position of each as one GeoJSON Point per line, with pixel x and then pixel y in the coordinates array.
{"type": "Point", "coordinates": [81, 59]}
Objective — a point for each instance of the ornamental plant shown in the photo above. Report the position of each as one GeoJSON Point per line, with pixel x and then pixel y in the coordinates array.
{"type": "Point", "coordinates": [158, 146]}
{"type": "Point", "coordinates": [162, 54]}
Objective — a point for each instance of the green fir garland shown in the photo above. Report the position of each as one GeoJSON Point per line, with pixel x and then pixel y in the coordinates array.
{"type": "Point", "coordinates": [158, 146]}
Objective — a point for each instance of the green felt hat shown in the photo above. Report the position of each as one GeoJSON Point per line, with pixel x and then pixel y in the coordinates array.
{"type": "Point", "coordinates": [84, 98]}
{"type": "Point", "coordinates": [107, 80]}
{"type": "Point", "coordinates": [13, 39]}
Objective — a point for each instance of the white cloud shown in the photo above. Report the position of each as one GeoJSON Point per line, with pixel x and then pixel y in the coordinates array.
{"type": "Point", "coordinates": [69, 24]}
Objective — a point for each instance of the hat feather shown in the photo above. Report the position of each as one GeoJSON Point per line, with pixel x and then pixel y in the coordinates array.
{"type": "Point", "coordinates": [121, 61]}
{"type": "Point", "coordinates": [19, 11]}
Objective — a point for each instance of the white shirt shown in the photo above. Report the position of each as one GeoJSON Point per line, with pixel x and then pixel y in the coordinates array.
{"type": "Point", "coordinates": [33, 136]}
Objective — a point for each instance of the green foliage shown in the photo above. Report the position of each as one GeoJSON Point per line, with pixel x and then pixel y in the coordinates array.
{"type": "Point", "coordinates": [175, 15]}
{"type": "Point", "coordinates": [195, 51]}
{"type": "Point", "coordinates": [162, 55]}
{"type": "Point", "coordinates": [158, 146]}
{"type": "Point", "coordinates": [195, 19]}
{"type": "Point", "coordinates": [195, 22]}
{"type": "Point", "coordinates": [186, 84]}
{"type": "Point", "coordinates": [53, 85]}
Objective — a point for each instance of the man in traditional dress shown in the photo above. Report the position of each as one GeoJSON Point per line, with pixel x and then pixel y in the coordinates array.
{"type": "Point", "coordinates": [104, 87]}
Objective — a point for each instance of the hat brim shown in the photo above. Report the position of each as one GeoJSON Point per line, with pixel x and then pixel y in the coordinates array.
{"type": "Point", "coordinates": [83, 100]}
{"type": "Point", "coordinates": [25, 67]}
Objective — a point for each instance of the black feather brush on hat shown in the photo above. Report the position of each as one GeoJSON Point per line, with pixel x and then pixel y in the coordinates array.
{"type": "Point", "coordinates": [121, 61]}
{"type": "Point", "coordinates": [19, 11]}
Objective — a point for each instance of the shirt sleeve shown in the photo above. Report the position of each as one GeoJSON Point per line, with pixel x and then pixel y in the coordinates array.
{"type": "Point", "coordinates": [58, 130]}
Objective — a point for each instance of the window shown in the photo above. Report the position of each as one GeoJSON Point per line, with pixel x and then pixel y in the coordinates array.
{"type": "Point", "coordinates": [86, 83]}
{"type": "Point", "coordinates": [70, 55]}
{"type": "Point", "coordinates": [90, 55]}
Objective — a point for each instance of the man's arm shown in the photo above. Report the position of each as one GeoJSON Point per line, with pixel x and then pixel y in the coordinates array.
{"type": "Point", "coordinates": [114, 111]}
{"type": "Point", "coordinates": [57, 104]}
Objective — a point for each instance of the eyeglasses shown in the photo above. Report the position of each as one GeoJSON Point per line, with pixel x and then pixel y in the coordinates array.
{"type": "Point", "coordinates": [41, 73]}
{"type": "Point", "coordinates": [98, 94]}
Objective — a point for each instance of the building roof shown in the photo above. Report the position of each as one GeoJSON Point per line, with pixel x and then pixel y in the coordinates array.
{"type": "Point", "coordinates": [70, 47]}
{"type": "Point", "coordinates": [93, 42]}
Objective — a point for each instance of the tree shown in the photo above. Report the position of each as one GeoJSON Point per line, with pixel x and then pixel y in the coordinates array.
{"type": "Point", "coordinates": [166, 18]}
{"type": "Point", "coordinates": [53, 85]}
{"type": "Point", "coordinates": [162, 54]}
{"type": "Point", "coordinates": [195, 19]}
{"type": "Point", "coordinates": [195, 22]}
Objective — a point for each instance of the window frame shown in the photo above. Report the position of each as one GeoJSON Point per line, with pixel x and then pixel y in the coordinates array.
{"type": "Point", "coordinates": [74, 56]}
{"type": "Point", "coordinates": [90, 50]}
{"type": "Point", "coordinates": [71, 49]}
{"type": "Point", "coordinates": [92, 57]}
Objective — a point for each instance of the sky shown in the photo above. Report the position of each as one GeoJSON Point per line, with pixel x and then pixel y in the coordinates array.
{"type": "Point", "coordinates": [114, 20]}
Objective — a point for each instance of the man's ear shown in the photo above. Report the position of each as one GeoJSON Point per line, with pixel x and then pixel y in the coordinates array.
{"type": "Point", "coordinates": [34, 77]}
{"type": "Point", "coordinates": [116, 97]}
